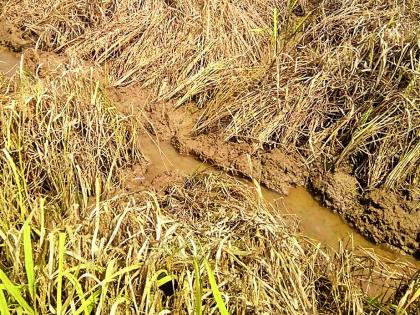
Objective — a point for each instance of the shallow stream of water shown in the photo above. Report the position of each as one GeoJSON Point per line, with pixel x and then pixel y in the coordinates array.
{"type": "Point", "coordinates": [9, 62]}
{"type": "Point", "coordinates": [316, 221]}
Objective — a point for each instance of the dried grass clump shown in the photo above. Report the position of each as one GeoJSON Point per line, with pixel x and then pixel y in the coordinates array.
{"type": "Point", "coordinates": [54, 23]}
{"type": "Point", "coordinates": [59, 135]}
{"type": "Point", "coordinates": [182, 42]}
{"type": "Point", "coordinates": [345, 89]}
{"type": "Point", "coordinates": [210, 244]}
{"type": "Point", "coordinates": [331, 80]}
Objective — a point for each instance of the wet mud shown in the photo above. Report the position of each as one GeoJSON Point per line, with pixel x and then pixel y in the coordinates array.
{"type": "Point", "coordinates": [9, 62]}
{"type": "Point", "coordinates": [173, 153]}
{"type": "Point", "coordinates": [382, 217]}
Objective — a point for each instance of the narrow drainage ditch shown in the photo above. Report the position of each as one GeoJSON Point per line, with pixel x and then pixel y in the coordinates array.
{"type": "Point", "coordinates": [316, 221]}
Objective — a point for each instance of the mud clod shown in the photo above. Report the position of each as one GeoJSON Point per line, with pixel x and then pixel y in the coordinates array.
{"type": "Point", "coordinates": [382, 216]}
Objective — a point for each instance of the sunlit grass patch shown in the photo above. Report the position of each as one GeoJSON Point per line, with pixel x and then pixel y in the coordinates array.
{"type": "Point", "coordinates": [336, 81]}
{"type": "Point", "coordinates": [209, 245]}
{"type": "Point", "coordinates": [58, 135]}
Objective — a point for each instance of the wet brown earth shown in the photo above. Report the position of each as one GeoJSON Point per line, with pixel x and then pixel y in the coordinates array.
{"type": "Point", "coordinates": [9, 62]}
{"type": "Point", "coordinates": [315, 221]}
{"type": "Point", "coordinates": [383, 217]}
{"type": "Point", "coordinates": [173, 153]}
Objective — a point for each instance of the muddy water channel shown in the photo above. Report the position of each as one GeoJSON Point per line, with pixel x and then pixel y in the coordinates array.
{"type": "Point", "coordinates": [316, 222]}
{"type": "Point", "coordinates": [9, 62]}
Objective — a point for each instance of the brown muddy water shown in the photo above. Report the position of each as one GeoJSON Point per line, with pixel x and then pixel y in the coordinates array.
{"type": "Point", "coordinates": [9, 62]}
{"type": "Point", "coordinates": [316, 221]}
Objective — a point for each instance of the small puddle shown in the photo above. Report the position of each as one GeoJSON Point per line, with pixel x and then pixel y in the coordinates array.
{"type": "Point", "coordinates": [316, 221]}
{"type": "Point", "coordinates": [9, 62]}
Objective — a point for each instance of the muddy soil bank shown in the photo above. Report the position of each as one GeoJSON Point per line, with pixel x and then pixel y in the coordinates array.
{"type": "Point", "coordinates": [384, 217]}
{"type": "Point", "coordinates": [381, 216]}
{"type": "Point", "coordinates": [172, 158]}
{"type": "Point", "coordinates": [275, 169]}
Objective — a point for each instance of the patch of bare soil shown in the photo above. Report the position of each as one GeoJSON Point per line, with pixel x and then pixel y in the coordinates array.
{"type": "Point", "coordinates": [157, 172]}
{"type": "Point", "coordinates": [382, 216]}
{"type": "Point", "coordinates": [274, 169]}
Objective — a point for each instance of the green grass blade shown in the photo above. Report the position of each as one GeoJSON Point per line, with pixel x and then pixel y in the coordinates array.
{"type": "Point", "coordinates": [125, 270]}
{"type": "Point", "coordinates": [275, 24]}
{"type": "Point", "coordinates": [18, 183]}
{"type": "Point", "coordinates": [107, 281]}
{"type": "Point", "coordinates": [198, 290]}
{"type": "Point", "coordinates": [61, 245]}
{"type": "Point", "coordinates": [215, 290]}
{"type": "Point", "coordinates": [164, 280]}
{"type": "Point", "coordinates": [29, 261]}
{"type": "Point", "coordinates": [15, 292]}
{"type": "Point", "coordinates": [147, 289]}
{"type": "Point", "coordinates": [4, 308]}
{"type": "Point", "coordinates": [78, 287]}
{"type": "Point", "coordinates": [88, 304]}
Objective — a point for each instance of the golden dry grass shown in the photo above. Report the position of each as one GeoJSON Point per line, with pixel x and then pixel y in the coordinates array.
{"type": "Point", "coordinates": [336, 81]}
{"type": "Point", "coordinates": [333, 80]}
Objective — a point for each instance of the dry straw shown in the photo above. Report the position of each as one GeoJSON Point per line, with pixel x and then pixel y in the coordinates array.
{"type": "Point", "coordinates": [337, 80]}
